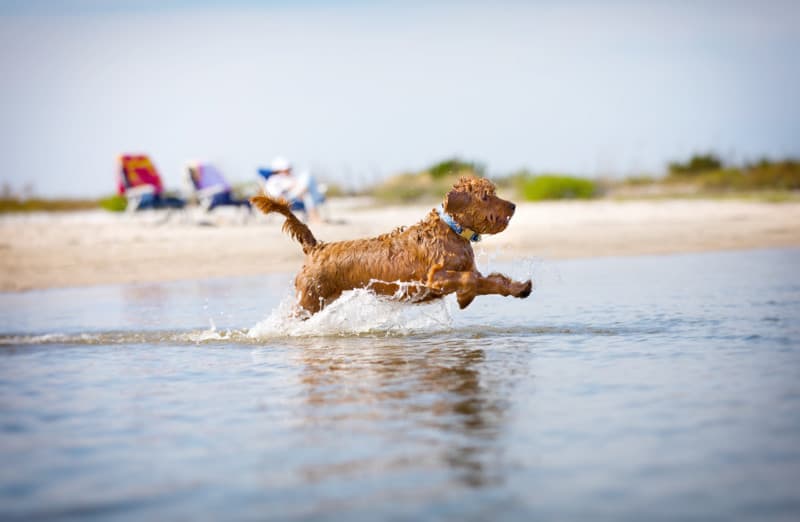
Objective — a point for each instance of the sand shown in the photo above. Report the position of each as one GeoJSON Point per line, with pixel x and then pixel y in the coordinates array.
{"type": "Point", "coordinates": [46, 250]}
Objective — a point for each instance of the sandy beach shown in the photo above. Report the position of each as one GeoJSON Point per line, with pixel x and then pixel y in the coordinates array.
{"type": "Point", "coordinates": [45, 250]}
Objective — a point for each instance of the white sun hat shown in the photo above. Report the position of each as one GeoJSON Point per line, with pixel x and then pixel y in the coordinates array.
{"type": "Point", "coordinates": [279, 163]}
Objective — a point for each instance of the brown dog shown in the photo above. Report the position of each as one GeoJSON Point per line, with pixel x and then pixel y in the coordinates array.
{"type": "Point", "coordinates": [419, 263]}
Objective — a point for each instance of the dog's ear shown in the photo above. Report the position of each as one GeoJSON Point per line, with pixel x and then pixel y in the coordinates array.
{"type": "Point", "coordinates": [455, 201]}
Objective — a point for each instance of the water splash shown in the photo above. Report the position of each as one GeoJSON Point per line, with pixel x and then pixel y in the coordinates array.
{"type": "Point", "coordinates": [356, 312]}
{"type": "Point", "coordinates": [157, 337]}
{"type": "Point", "coordinates": [50, 338]}
{"type": "Point", "coordinates": [522, 269]}
{"type": "Point", "coordinates": [265, 330]}
{"type": "Point", "coordinates": [211, 334]}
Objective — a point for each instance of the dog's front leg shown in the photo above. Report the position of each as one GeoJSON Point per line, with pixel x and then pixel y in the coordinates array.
{"type": "Point", "coordinates": [463, 283]}
{"type": "Point", "coordinates": [503, 285]}
{"type": "Point", "coordinates": [469, 284]}
{"type": "Point", "coordinates": [496, 284]}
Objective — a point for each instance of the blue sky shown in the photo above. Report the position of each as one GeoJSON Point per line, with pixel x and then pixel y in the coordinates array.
{"type": "Point", "coordinates": [361, 90]}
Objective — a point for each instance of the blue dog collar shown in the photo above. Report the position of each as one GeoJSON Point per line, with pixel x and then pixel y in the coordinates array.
{"type": "Point", "coordinates": [469, 235]}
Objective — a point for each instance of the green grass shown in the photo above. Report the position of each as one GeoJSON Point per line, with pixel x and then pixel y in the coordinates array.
{"type": "Point", "coordinates": [454, 167]}
{"type": "Point", "coordinates": [761, 196]}
{"type": "Point", "coordinates": [16, 204]}
{"type": "Point", "coordinates": [430, 184]}
{"type": "Point", "coordinates": [712, 175]}
{"type": "Point", "coordinates": [411, 188]}
{"type": "Point", "coordinates": [12, 204]}
{"type": "Point", "coordinates": [705, 177]}
{"type": "Point", "coordinates": [546, 187]}
{"type": "Point", "coordinates": [113, 203]}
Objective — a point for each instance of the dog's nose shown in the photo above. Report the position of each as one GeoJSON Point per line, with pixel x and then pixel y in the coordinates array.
{"type": "Point", "coordinates": [513, 206]}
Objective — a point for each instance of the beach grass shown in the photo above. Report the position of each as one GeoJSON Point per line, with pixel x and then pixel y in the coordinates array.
{"type": "Point", "coordinates": [552, 187]}
{"type": "Point", "coordinates": [13, 204]}
{"type": "Point", "coordinates": [702, 176]}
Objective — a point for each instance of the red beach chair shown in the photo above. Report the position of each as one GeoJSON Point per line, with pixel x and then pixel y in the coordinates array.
{"type": "Point", "coordinates": [141, 184]}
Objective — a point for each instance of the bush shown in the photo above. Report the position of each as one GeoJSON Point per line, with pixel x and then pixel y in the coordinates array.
{"type": "Point", "coordinates": [781, 175]}
{"type": "Point", "coordinates": [429, 184]}
{"type": "Point", "coordinates": [540, 188]}
{"type": "Point", "coordinates": [404, 188]}
{"type": "Point", "coordinates": [697, 164]}
{"type": "Point", "coordinates": [765, 175]}
{"type": "Point", "coordinates": [114, 203]}
{"type": "Point", "coordinates": [722, 179]}
{"type": "Point", "coordinates": [455, 166]}
{"type": "Point", "coordinates": [638, 181]}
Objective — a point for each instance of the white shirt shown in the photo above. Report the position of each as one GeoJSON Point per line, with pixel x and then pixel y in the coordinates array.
{"type": "Point", "coordinates": [286, 186]}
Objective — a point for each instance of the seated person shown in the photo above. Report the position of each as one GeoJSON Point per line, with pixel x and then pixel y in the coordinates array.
{"type": "Point", "coordinates": [211, 187]}
{"type": "Point", "coordinates": [300, 188]}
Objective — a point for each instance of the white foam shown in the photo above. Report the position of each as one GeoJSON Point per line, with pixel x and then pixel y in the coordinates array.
{"type": "Point", "coordinates": [41, 339]}
{"type": "Point", "coordinates": [356, 312]}
{"type": "Point", "coordinates": [212, 334]}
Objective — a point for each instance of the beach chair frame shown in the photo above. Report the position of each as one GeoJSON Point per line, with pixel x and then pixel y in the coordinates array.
{"type": "Point", "coordinates": [135, 190]}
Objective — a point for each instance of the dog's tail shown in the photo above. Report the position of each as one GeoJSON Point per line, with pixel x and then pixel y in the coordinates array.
{"type": "Point", "coordinates": [292, 226]}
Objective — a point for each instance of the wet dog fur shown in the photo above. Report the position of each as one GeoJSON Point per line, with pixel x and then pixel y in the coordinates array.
{"type": "Point", "coordinates": [422, 262]}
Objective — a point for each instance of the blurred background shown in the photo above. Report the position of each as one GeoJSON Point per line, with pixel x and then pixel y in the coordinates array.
{"type": "Point", "coordinates": [152, 362]}
{"type": "Point", "coordinates": [361, 91]}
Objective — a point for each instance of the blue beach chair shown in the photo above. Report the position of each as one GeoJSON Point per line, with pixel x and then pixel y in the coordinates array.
{"type": "Point", "coordinates": [210, 187]}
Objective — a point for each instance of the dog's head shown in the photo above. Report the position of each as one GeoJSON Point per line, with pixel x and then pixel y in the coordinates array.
{"type": "Point", "coordinates": [473, 204]}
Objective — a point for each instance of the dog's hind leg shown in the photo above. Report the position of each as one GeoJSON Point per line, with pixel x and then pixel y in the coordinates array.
{"type": "Point", "coordinates": [313, 296]}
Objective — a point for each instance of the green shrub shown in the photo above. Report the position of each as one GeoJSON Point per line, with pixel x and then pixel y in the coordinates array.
{"type": "Point", "coordinates": [781, 175]}
{"type": "Point", "coordinates": [455, 166]}
{"type": "Point", "coordinates": [115, 203]}
{"type": "Point", "coordinates": [638, 181]}
{"type": "Point", "coordinates": [404, 188]}
{"type": "Point", "coordinates": [722, 179]}
{"type": "Point", "coordinates": [540, 188]}
{"type": "Point", "coordinates": [697, 164]}
{"type": "Point", "coordinates": [429, 184]}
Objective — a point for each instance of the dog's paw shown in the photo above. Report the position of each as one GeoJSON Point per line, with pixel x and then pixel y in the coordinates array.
{"type": "Point", "coordinates": [464, 300]}
{"type": "Point", "coordinates": [524, 289]}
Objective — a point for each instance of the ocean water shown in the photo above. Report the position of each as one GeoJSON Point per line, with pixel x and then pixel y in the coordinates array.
{"type": "Point", "coordinates": [641, 388]}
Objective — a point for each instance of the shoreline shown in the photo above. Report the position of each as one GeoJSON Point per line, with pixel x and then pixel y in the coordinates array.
{"type": "Point", "coordinates": [76, 249]}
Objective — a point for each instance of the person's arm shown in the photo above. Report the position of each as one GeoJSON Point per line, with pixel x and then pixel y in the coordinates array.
{"type": "Point", "coordinates": [276, 187]}
{"type": "Point", "coordinates": [298, 185]}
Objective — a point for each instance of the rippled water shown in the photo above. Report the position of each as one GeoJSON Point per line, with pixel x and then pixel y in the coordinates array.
{"type": "Point", "coordinates": [652, 388]}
